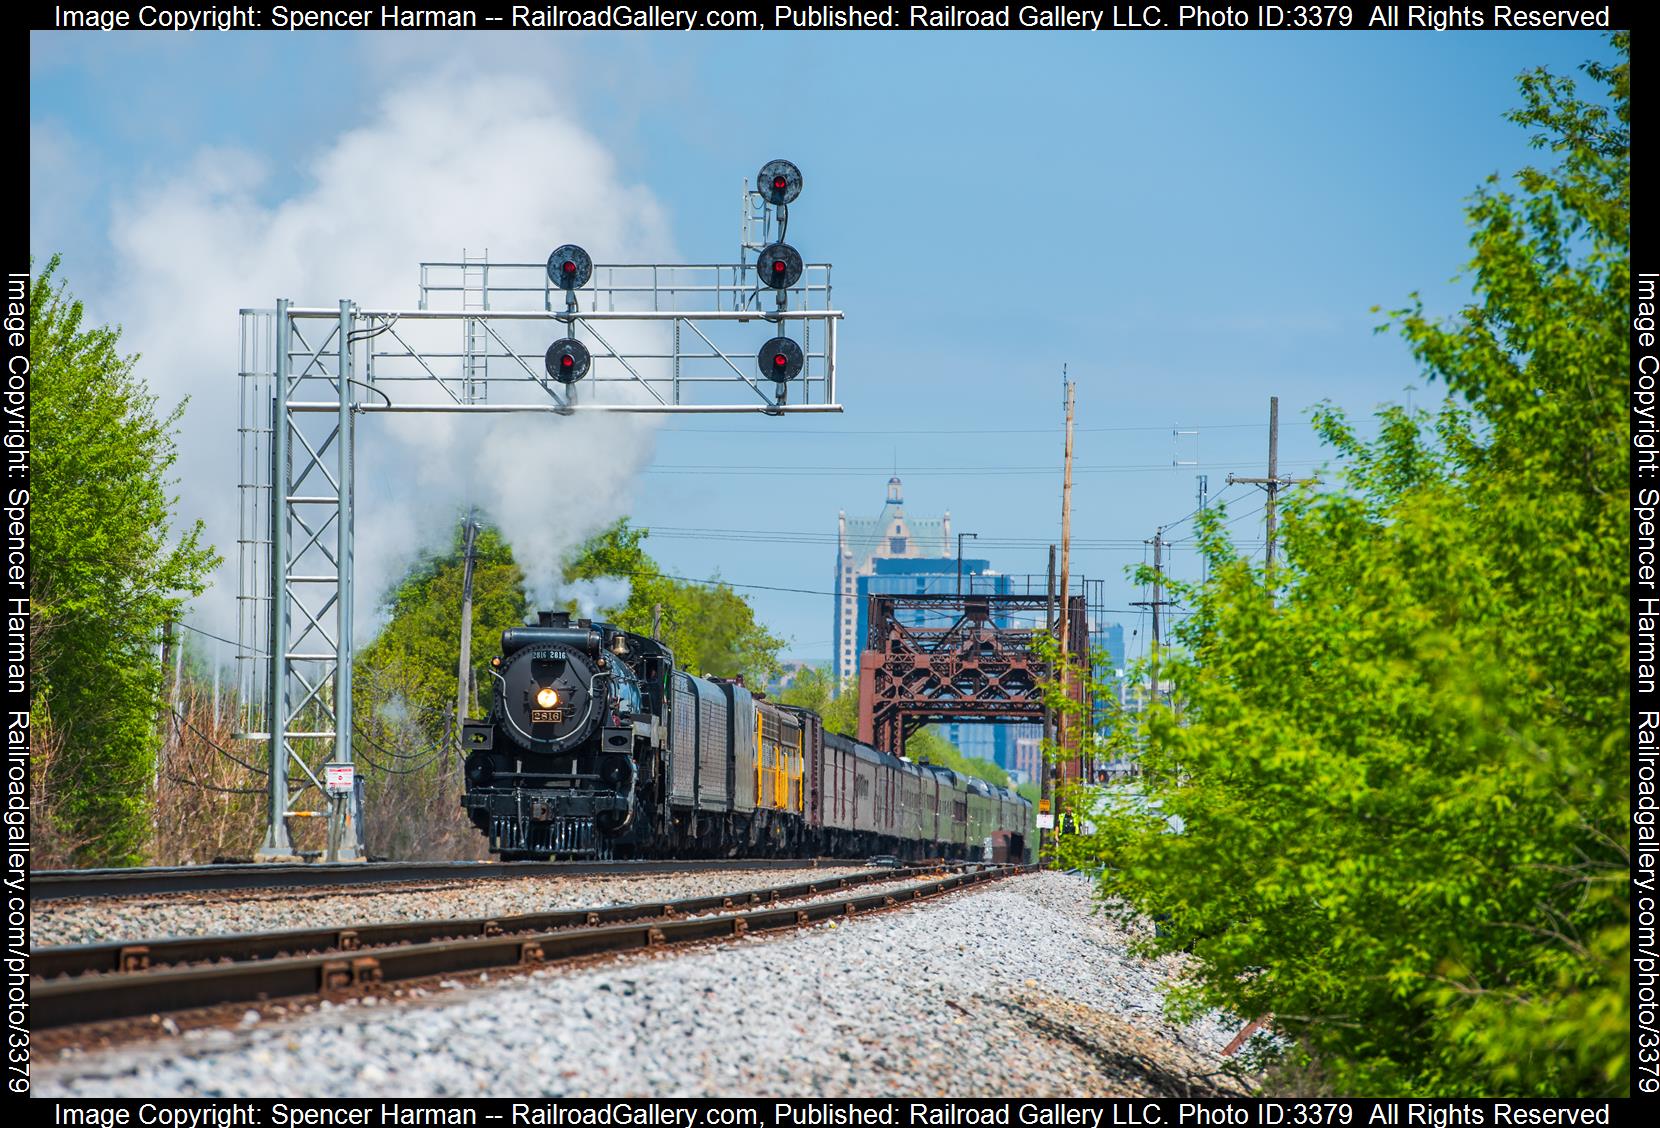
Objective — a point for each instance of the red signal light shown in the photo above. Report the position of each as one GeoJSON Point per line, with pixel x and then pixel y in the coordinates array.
{"type": "Point", "coordinates": [779, 266]}
{"type": "Point", "coordinates": [778, 182]}
{"type": "Point", "coordinates": [568, 360]}
{"type": "Point", "coordinates": [569, 267]}
{"type": "Point", "coordinates": [781, 360]}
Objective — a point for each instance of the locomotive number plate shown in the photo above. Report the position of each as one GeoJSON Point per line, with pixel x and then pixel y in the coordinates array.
{"type": "Point", "coordinates": [546, 716]}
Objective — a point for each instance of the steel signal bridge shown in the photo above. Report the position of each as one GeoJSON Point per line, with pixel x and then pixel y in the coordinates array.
{"type": "Point", "coordinates": [482, 339]}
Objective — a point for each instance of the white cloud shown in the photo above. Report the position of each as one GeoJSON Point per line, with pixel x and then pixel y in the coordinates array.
{"type": "Point", "coordinates": [443, 163]}
{"type": "Point", "coordinates": [62, 187]}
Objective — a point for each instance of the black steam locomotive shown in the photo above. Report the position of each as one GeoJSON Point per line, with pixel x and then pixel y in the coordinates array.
{"type": "Point", "coordinates": [597, 746]}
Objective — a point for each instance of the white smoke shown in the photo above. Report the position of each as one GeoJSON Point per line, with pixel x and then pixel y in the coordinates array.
{"type": "Point", "coordinates": [547, 487]}
{"type": "Point", "coordinates": [394, 711]}
{"type": "Point", "coordinates": [476, 161]}
{"type": "Point", "coordinates": [593, 598]}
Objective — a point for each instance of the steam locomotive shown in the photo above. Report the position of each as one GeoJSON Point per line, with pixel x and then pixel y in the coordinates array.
{"type": "Point", "coordinates": [596, 745]}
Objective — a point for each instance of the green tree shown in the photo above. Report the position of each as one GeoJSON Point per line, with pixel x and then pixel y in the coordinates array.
{"type": "Point", "coordinates": [711, 629]}
{"type": "Point", "coordinates": [409, 671]}
{"type": "Point", "coordinates": [812, 689]}
{"type": "Point", "coordinates": [107, 576]}
{"type": "Point", "coordinates": [842, 714]}
{"type": "Point", "coordinates": [404, 694]}
{"type": "Point", "coordinates": [816, 690]}
{"type": "Point", "coordinates": [927, 744]}
{"type": "Point", "coordinates": [1401, 760]}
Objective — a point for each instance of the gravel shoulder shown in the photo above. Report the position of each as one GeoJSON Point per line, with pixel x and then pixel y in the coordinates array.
{"type": "Point", "coordinates": [1014, 989]}
{"type": "Point", "coordinates": [188, 914]}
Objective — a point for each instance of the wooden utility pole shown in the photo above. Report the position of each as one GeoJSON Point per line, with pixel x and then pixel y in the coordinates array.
{"type": "Point", "coordinates": [1049, 625]}
{"type": "Point", "coordinates": [1155, 603]}
{"type": "Point", "coordinates": [167, 650]}
{"type": "Point", "coordinates": [464, 673]}
{"type": "Point", "coordinates": [1272, 482]}
{"type": "Point", "coordinates": [1066, 565]}
{"type": "Point", "coordinates": [1045, 791]}
{"type": "Point", "coordinates": [178, 670]}
{"type": "Point", "coordinates": [1158, 586]}
{"type": "Point", "coordinates": [1273, 473]}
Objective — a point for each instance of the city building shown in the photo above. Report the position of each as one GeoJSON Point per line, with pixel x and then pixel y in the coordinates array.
{"type": "Point", "coordinates": [895, 554]}
{"type": "Point", "coordinates": [890, 535]}
{"type": "Point", "coordinates": [1027, 763]}
{"type": "Point", "coordinates": [1110, 638]}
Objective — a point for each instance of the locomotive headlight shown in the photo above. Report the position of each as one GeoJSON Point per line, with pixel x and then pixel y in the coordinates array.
{"type": "Point", "coordinates": [546, 697]}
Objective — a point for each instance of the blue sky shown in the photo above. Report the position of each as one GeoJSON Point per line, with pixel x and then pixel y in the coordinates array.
{"type": "Point", "coordinates": [1191, 222]}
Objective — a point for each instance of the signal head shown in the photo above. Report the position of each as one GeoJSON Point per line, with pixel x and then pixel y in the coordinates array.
{"type": "Point", "coordinates": [779, 182]}
{"type": "Point", "coordinates": [779, 266]}
{"type": "Point", "coordinates": [780, 360]}
{"type": "Point", "coordinates": [568, 360]}
{"type": "Point", "coordinates": [570, 267]}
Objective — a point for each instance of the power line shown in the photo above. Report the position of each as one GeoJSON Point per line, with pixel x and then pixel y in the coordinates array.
{"type": "Point", "coordinates": [796, 471]}
{"type": "Point", "coordinates": [435, 750]}
{"type": "Point", "coordinates": [783, 536]}
{"type": "Point", "coordinates": [968, 430]}
{"type": "Point", "coordinates": [438, 753]}
{"type": "Point", "coordinates": [394, 753]}
{"type": "Point", "coordinates": [1250, 513]}
{"type": "Point", "coordinates": [211, 787]}
{"type": "Point", "coordinates": [1212, 502]}
{"type": "Point", "coordinates": [210, 634]}
{"type": "Point", "coordinates": [719, 583]}
{"type": "Point", "coordinates": [1191, 537]}
{"type": "Point", "coordinates": [178, 718]}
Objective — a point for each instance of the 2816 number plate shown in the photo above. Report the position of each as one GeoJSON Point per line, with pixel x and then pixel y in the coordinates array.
{"type": "Point", "coordinates": [546, 716]}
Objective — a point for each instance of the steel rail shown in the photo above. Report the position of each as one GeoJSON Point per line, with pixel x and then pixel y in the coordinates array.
{"type": "Point", "coordinates": [96, 998]}
{"type": "Point", "coordinates": [48, 885]}
{"type": "Point", "coordinates": [143, 955]}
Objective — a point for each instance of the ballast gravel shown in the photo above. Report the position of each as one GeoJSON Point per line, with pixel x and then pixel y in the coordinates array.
{"type": "Point", "coordinates": [175, 914]}
{"type": "Point", "coordinates": [1011, 989]}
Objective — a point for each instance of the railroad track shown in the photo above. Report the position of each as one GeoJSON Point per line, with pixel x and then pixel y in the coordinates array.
{"type": "Point", "coordinates": [50, 885]}
{"type": "Point", "coordinates": [101, 982]}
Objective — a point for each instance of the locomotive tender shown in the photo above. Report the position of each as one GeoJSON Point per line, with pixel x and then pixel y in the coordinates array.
{"type": "Point", "coordinates": [596, 745]}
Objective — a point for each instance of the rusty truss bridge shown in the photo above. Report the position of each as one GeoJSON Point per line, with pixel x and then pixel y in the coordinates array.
{"type": "Point", "coordinates": [961, 657]}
